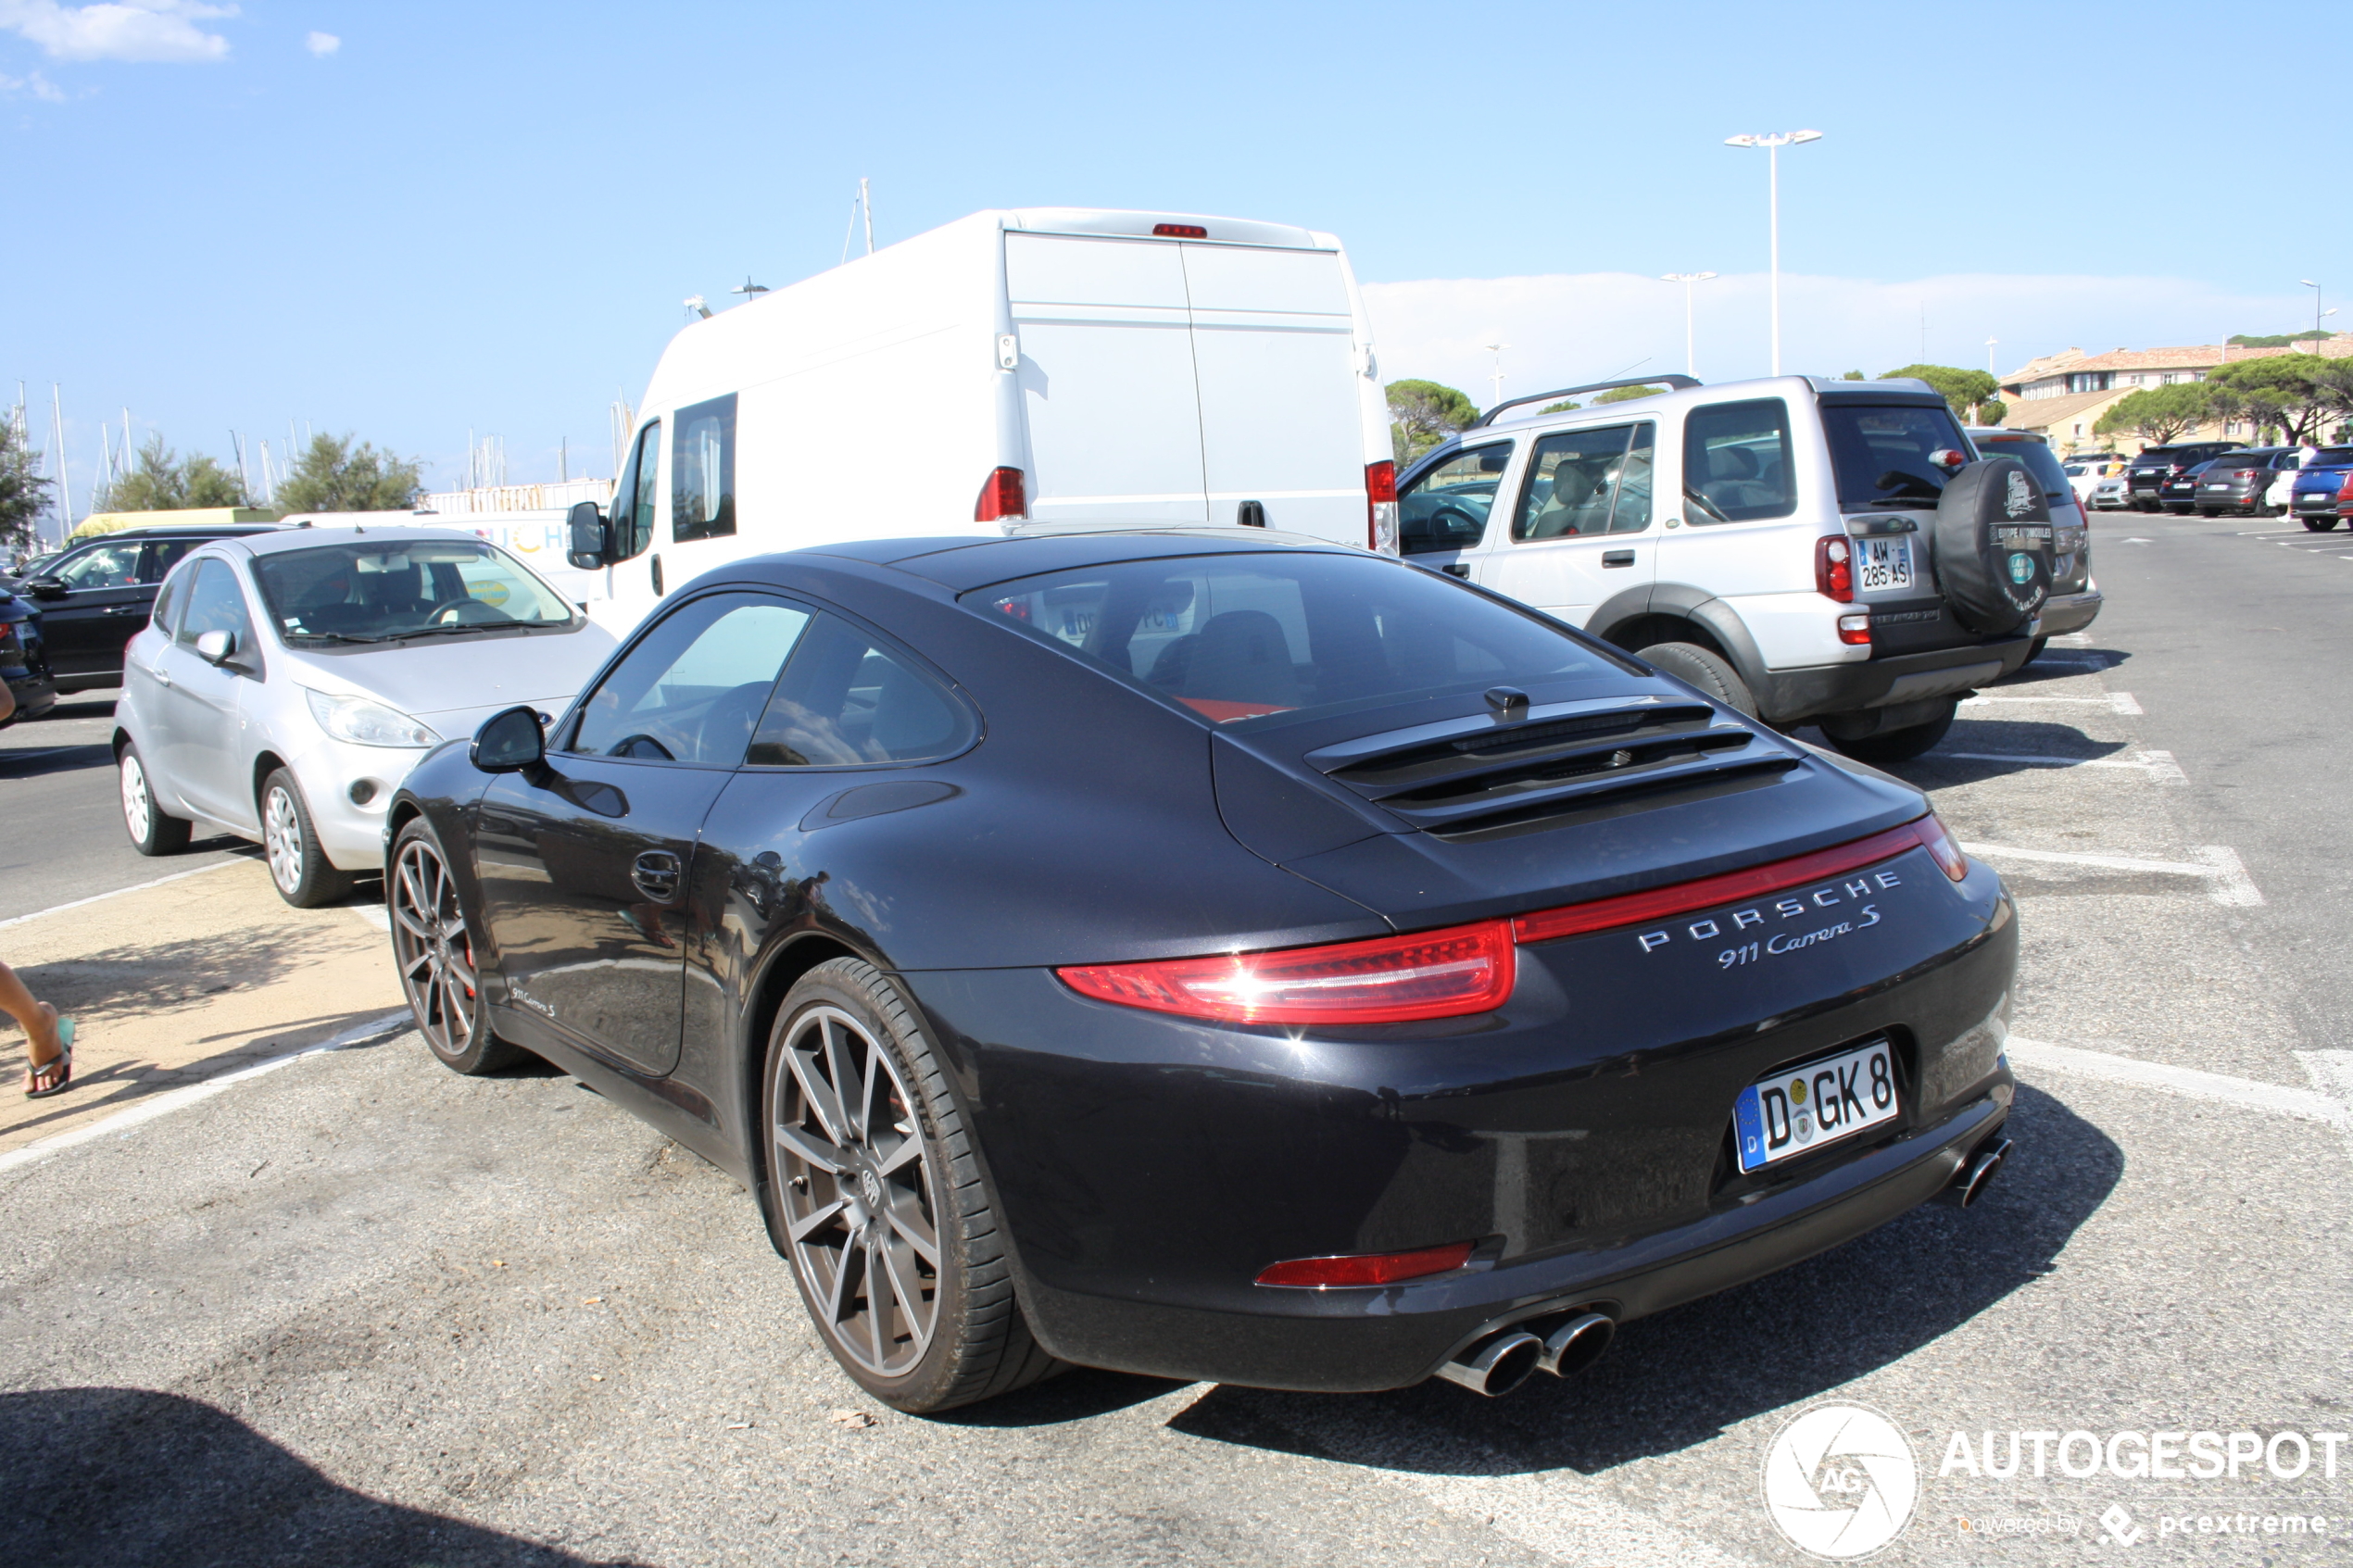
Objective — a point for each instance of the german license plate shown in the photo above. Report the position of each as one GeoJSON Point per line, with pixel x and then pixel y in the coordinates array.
{"type": "Point", "coordinates": [1887, 563]}
{"type": "Point", "coordinates": [1825, 1100]}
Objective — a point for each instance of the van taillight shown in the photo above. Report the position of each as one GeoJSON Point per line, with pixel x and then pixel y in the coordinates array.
{"type": "Point", "coordinates": [1001, 498]}
{"type": "Point", "coordinates": [1380, 506]}
{"type": "Point", "coordinates": [1180, 231]}
{"type": "Point", "coordinates": [1834, 568]}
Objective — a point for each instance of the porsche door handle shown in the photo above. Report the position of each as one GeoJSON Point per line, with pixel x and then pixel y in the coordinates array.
{"type": "Point", "coordinates": [1617, 558]}
{"type": "Point", "coordinates": [656, 876]}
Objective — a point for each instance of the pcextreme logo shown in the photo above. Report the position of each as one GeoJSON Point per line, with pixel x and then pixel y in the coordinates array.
{"type": "Point", "coordinates": [1840, 1482]}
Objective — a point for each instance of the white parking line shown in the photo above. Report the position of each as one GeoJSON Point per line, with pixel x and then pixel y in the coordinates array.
{"type": "Point", "coordinates": [2158, 765]}
{"type": "Point", "coordinates": [233, 860]}
{"type": "Point", "coordinates": [2219, 866]}
{"type": "Point", "coordinates": [188, 1095]}
{"type": "Point", "coordinates": [2116, 702]}
{"type": "Point", "coordinates": [2276, 1098]}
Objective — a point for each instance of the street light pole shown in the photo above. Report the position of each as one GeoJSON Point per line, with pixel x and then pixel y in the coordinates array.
{"type": "Point", "coordinates": [1497, 350]}
{"type": "Point", "coordinates": [1691, 359]}
{"type": "Point", "coordinates": [2316, 303]}
{"type": "Point", "coordinates": [1989, 357]}
{"type": "Point", "coordinates": [1773, 142]}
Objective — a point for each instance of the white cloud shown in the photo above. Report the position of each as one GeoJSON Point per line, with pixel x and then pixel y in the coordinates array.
{"type": "Point", "coordinates": [119, 29]}
{"type": "Point", "coordinates": [37, 84]}
{"type": "Point", "coordinates": [1564, 330]}
{"type": "Point", "coordinates": [323, 42]}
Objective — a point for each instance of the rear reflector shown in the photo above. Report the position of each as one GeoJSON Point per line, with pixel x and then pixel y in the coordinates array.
{"type": "Point", "coordinates": [1380, 506]}
{"type": "Point", "coordinates": [1856, 629]}
{"type": "Point", "coordinates": [1659, 903]}
{"type": "Point", "coordinates": [1180, 231]}
{"type": "Point", "coordinates": [1001, 498]}
{"type": "Point", "coordinates": [1465, 969]}
{"type": "Point", "coordinates": [1371, 1267]}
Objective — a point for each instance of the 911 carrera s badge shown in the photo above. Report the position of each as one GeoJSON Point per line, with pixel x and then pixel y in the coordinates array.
{"type": "Point", "coordinates": [1844, 897]}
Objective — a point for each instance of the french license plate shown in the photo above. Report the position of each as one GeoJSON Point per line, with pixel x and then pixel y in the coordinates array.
{"type": "Point", "coordinates": [2224, 485]}
{"type": "Point", "coordinates": [1825, 1100]}
{"type": "Point", "coordinates": [1887, 563]}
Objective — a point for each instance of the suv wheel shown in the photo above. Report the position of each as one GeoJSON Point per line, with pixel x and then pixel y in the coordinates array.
{"type": "Point", "coordinates": [1696, 666]}
{"type": "Point", "coordinates": [1898, 746]}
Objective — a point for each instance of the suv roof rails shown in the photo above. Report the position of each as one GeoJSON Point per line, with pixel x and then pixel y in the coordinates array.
{"type": "Point", "coordinates": [1674, 383]}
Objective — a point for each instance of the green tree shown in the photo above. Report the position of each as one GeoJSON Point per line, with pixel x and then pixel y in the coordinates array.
{"type": "Point", "coordinates": [1993, 411]}
{"type": "Point", "coordinates": [1852, 375]}
{"type": "Point", "coordinates": [1422, 414]}
{"type": "Point", "coordinates": [2276, 340]}
{"type": "Point", "coordinates": [24, 494]}
{"type": "Point", "coordinates": [335, 476]}
{"type": "Point", "coordinates": [1628, 394]}
{"type": "Point", "coordinates": [159, 482]}
{"type": "Point", "coordinates": [1566, 406]}
{"type": "Point", "coordinates": [1966, 392]}
{"type": "Point", "coordinates": [2156, 414]}
{"type": "Point", "coordinates": [2297, 395]}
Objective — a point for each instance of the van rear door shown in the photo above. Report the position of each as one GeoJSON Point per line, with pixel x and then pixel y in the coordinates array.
{"type": "Point", "coordinates": [1274, 350]}
{"type": "Point", "coordinates": [1107, 378]}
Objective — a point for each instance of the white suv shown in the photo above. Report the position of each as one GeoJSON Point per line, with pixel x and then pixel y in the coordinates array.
{"type": "Point", "coordinates": [1810, 551]}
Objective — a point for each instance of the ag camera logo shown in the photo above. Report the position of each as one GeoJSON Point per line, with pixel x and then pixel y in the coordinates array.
{"type": "Point", "coordinates": [1841, 1482]}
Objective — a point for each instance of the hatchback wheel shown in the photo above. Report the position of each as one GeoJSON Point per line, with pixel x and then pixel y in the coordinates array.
{"type": "Point", "coordinates": [433, 943]}
{"type": "Point", "coordinates": [2320, 524]}
{"type": "Point", "coordinates": [874, 1195]}
{"type": "Point", "coordinates": [152, 833]}
{"type": "Point", "coordinates": [298, 867]}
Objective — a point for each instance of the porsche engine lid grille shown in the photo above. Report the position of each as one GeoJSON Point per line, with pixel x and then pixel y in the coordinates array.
{"type": "Point", "coordinates": [1489, 780]}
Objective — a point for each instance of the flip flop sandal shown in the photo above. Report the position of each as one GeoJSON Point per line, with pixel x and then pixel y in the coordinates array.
{"type": "Point", "coordinates": [61, 1064]}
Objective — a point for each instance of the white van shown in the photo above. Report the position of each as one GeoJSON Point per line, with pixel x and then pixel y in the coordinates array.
{"type": "Point", "coordinates": [1014, 371]}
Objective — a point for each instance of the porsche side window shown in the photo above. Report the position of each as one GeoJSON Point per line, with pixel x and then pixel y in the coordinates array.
{"type": "Point", "coordinates": [693, 686]}
{"type": "Point", "coordinates": [846, 700]}
{"type": "Point", "coordinates": [702, 471]}
{"type": "Point", "coordinates": [632, 497]}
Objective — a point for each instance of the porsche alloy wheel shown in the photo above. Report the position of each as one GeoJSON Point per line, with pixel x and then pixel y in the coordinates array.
{"type": "Point", "coordinates": [861, 1198]}
{"type": "Point", "coordinates": [433, 945]}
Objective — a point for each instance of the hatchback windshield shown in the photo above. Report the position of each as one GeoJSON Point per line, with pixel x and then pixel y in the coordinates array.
{"type": "Point", "coordinates": [1237, 637]}
{"type": "Point", "coordinates": [1881, 452]}
{"type": "Point", "coordinates": [375, 592]}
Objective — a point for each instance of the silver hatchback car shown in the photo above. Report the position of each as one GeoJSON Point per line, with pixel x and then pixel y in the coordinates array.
{"type": "Point", "coordinates": [287, 682]}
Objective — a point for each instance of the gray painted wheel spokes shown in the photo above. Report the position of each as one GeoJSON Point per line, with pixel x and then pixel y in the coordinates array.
{"type": "Point", "coordinates": [861, 1198]}
{"type": "Point", "coordinates": [282, 839]}
{"type": "Point", "coordinates": [434, 950]}
{"type": "Point", "coordinates": [138, 810]}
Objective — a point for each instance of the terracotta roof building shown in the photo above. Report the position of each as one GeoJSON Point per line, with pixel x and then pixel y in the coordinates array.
{"type": "Point", "coordinates": [2062, 395]}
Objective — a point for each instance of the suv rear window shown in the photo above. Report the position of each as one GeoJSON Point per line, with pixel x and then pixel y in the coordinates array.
{"type": "Point", "coordinates": [1880, 451]}
{"type": "Point", "coordinates": [1238, 637]}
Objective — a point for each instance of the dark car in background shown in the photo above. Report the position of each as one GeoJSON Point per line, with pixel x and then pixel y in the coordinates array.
{"type": "Point", "coordinates": [96, 595]}
{"type": "Point", "coordinates": [2075, 602]}
{"type": "Point", "coordinates": [2238, 480]}
{"type": "Point", "coordinates": [1212, 954]}
{"type": "Point", "coordinates": [2323, 490]}
{"type": "Point", "coordinates": [2178, 494]}
{"type": "Point", "coordinates": [22, 661]}
{"type": "Point", "coordinates": [2148, 474]}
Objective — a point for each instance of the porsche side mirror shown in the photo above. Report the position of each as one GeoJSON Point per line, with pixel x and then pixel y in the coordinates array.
{"type": "Point", "coordinates": [48, 587]}
{"type": "Point", "coordinates": [591, 543]}
{"type": "Point", "coordinates": [509, 742]}
{"type": "Point", "coordinates": [216, 648]}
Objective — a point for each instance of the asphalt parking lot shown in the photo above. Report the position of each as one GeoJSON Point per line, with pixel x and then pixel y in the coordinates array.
{"type": "Point", "coordinates": [359, 1310]}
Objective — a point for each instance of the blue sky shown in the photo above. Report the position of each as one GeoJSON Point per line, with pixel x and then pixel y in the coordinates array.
{"type": "Point", "coordinates": [409, 221]}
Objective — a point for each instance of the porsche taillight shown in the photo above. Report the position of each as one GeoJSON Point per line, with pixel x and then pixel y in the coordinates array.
{"type": "Point", "coordinates": [1465, 969]}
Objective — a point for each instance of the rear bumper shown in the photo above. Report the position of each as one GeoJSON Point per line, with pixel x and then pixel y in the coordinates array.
{"type": "Point", "coordinates": [35, 694]}
{"type": "Point", "coordinates": [2063, 613]}
{"type": "Point", "coordinates": [1789, 694]}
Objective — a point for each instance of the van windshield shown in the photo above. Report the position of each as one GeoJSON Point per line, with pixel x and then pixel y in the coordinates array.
{"type": "Point", "coordinates": [1881, 451]}
{"type": "Point", "coordinates": [391, 592]}
{"type": "Point", "coordinates": [1241, 637]}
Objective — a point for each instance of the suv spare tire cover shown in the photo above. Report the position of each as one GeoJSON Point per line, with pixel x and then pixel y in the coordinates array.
{"type": "Point", "coordinates": [1993, 541]}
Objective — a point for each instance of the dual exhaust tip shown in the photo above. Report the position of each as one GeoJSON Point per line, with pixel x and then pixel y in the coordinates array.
{"type": "Point", "coordinates": [1497, 1365]}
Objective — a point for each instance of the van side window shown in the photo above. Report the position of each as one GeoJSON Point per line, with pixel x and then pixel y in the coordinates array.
{"type": "Point", "coordinates": [1737, 463]}
{"type": "Point", "coordinates": [1445, 507]}
{"type": "Point", "coordinates": [702, 471]}
{"type": "Point", "coordinates": [1587, 481]}
{"type": "Point", "coordinates": [633, 497]}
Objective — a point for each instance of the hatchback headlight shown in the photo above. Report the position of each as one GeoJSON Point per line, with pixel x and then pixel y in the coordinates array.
{"type": "Point", "coordinates": [364, 722]}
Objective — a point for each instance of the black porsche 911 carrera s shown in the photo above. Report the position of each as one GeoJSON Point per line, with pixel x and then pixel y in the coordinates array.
{"type": "Point", "coordinates": [1212, 954]}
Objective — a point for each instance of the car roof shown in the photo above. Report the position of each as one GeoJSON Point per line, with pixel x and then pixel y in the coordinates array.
{"type": "Point", "coordinates": [180, 530]}
{"type": "Point", "coordinates": [961, 563]}
{"type": "Point", "coordinates": [278, 540]}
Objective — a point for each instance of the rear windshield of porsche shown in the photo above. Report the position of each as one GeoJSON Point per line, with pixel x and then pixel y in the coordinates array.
{"type": "Point", "coordinates": [1881, 451]}
{"type": "Point", "coordinates": [1246, 637]}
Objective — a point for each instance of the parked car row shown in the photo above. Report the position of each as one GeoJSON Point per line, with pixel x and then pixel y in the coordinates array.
{"type": "Point", "coordinates": [2323, 490]}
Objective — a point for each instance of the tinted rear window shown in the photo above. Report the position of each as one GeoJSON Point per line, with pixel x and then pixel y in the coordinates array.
{"type": "Point", "coordinates": [1238, 637]}
{"type": "Point", "coordinates": [2039, 461]}
{"type": "Point", "coordinates": [2331, 456]}
{"type": "Point", "coordinates": [1881, 451]}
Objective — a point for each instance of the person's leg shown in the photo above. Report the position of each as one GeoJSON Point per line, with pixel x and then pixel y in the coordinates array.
{"type": "Point", "coordinates": [40, 1022]}
{"type": "Point", "coordinates": [7, 702]}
